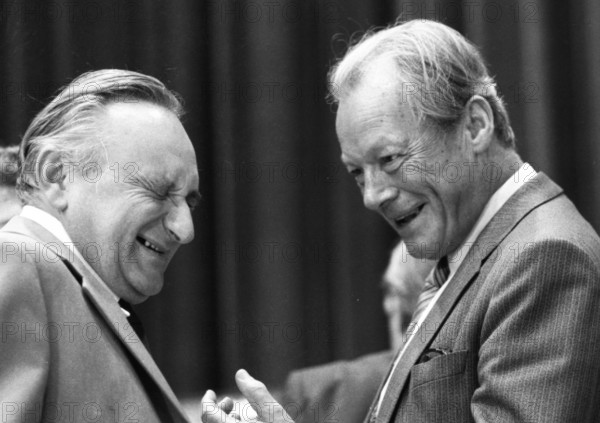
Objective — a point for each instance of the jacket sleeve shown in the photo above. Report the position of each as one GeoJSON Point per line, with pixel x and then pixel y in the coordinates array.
{"type": "Point", "coordinates": [540, 340]}
{"type": "Point", "coordinates": [339, 391]}
{"type": "Point", "coordinates": [24, 352]}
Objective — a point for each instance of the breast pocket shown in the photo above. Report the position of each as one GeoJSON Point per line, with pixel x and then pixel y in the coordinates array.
{"type": "Point", "coordinates": [440, 389]}
{"type": "Point", "coordinates": [440, 367]}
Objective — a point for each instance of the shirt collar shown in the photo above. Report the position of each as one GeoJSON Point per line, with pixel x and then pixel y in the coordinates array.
{"type": "Point", "coordinates": [53, 225]}
{"type": "Point", "coordinates": [494, 204]}
{"type": "Point", "coordinates": [49, 222]}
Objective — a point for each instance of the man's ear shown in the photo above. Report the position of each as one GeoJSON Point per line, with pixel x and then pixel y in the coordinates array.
{"type": "Point", "coordinates": [52, 177]}
{"type": "Point", "coordinates": [479, 123]}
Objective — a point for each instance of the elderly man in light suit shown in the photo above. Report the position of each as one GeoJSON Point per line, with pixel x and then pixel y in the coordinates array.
{"type": "Point", "coordinates": [109, 178]}
{"type": "Point", "coordinates": [506, 330]}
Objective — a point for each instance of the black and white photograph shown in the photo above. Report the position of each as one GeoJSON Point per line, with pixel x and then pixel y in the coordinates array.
{"type": "Point", "coordinates": [299, 211]}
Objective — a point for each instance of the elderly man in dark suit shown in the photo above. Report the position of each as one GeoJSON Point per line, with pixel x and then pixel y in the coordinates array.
{"type": "Point", "coordinates": [506, 329]}
{"type": "Point", "coordinates": [109, 178]}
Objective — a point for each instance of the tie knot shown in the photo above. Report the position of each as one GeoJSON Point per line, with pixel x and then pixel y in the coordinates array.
{"type": "Point", "coordinates": [441, 272]}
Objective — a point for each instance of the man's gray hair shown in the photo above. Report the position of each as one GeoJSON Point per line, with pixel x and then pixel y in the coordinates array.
{"type": "Point", "coordinates": [439, 70]}
{"type": "Point", "coordinates": [68, 127]}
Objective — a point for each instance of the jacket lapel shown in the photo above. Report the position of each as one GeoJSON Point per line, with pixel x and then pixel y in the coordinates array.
{"type": "Point", "coordinates": [533, 194]}
{"type": "Point", "coordinates": [373, 407]}
{"type": "Point", "coordinates": [104, 301]}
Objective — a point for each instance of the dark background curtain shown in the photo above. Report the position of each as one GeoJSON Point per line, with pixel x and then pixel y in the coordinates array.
{"type": "Point", "coordinates": [284, 270]}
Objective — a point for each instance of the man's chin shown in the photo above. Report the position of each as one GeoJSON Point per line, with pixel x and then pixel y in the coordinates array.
{"type": "Point", "coordinates": [424, 248]}
{"type": "Point", "coordinates": [141, 290]}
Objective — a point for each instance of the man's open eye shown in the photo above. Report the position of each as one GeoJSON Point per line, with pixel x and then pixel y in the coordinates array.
{"type": "Point", "coordinates": [391, 161]}
{"type": "Point", "coordinates": [390, 158]}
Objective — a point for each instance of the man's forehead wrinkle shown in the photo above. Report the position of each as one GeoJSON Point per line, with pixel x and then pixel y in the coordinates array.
{"type": "Point", "coordinates": [138, 178]}
{"type": "Point", "coordinates": [386, 140]}
{"type": "Point", "coordinates": [419, 145]}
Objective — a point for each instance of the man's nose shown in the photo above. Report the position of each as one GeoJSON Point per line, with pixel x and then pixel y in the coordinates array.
{"type": "Point", "coordinates": [179, 223]}
{"type": "Point", "coordinates": [377, 190]}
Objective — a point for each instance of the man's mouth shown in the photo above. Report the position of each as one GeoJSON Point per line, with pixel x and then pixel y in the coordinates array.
{"type": "Point", "coordinates": [149, 245]}
{"type": "Point", "coordinates": [408, 217]}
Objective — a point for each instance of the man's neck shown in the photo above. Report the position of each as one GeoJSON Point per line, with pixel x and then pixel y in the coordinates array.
{"type": "Point", "coordinates": [502, 162]}
{"type": "Point", "coordinates": [495, 170]}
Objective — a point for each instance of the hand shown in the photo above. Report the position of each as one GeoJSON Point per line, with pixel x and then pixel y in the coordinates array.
{"type": "Point", "coordinates": [263, 403]}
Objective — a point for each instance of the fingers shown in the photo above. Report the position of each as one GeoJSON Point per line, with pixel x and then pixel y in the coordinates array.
{"type": "Point", "coordinates": [266, 408]}
{"type": "Point", "coordinates": [226, 404]}
{"type": "Point", "coordinates": [212, 412]}
{"type": "Point", "coordinates": [209, 398]}
{"type": "Point", "coordinates": [254, 390]}
{"type": "Point", "coordinates": [261, 400]}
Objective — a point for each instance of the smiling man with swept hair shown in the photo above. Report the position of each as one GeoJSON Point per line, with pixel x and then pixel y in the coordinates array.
{"type": "Point", "coordinates": [506, 327]}
{"type": "Point", "coordinates": [108, 177]}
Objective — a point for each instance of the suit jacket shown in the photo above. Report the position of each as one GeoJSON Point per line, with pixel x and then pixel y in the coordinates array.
{"type": "Point", "coordinates": [67, 352]}
{"type": "Point", "coordinates": [335, 392]}
{"type": "Point", "coordinates": [515, 336]}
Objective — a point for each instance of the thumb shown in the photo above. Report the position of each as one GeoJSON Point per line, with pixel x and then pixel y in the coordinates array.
{"type": "Point", "coordinates": [261, 400]}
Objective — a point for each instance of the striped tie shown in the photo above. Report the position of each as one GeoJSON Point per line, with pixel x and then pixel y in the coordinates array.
{"type": "Point", "coordinates": [431, 287]}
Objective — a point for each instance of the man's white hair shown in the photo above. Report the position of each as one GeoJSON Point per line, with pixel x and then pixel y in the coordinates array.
{"type": "Point", "coordinates": [438, 72]}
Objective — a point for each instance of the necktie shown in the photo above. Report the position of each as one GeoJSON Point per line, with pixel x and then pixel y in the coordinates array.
{"type": "Point", "coordinates": [134, 320]}
{"type": "Point", "coordinates": [430, 288]}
